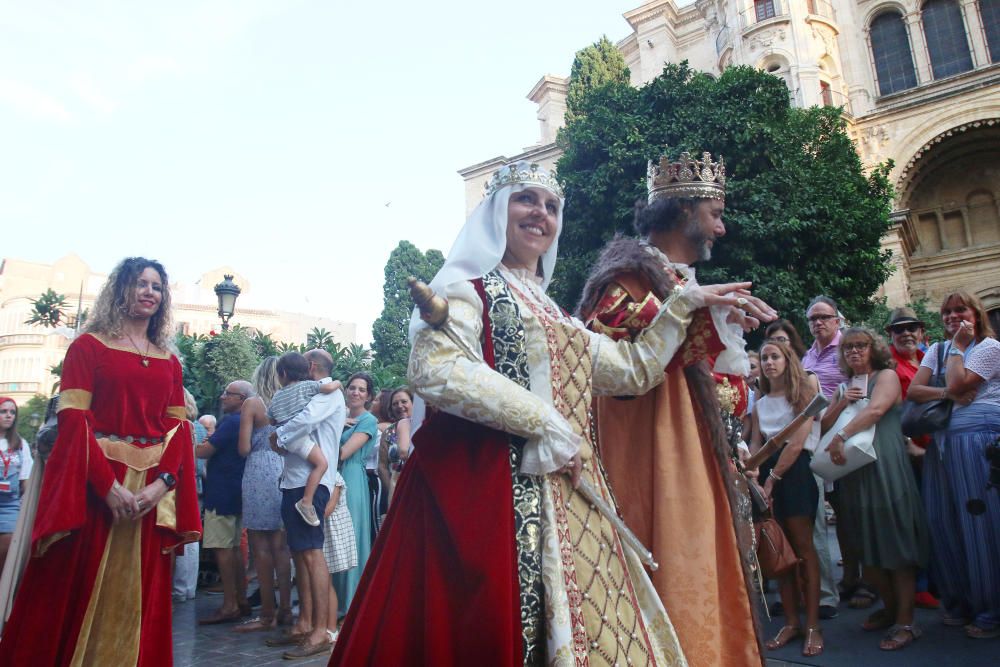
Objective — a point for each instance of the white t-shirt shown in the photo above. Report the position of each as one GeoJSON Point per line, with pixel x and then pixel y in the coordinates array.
{"type": "Point", "coordinates": [23, 456]}
{"type": "Point", "coordinates": [983, 359]}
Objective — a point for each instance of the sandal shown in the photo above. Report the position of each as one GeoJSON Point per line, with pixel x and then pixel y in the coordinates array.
{"type": "Point", "coordinates": [810, 648]}
{"type": "Point", "coordinates": [880, 620]}
{"type": "Point", "coordinates": [862, 597]}
{"type": "Point", "coordinates": [899, 636]}
{"type": "Point", "coordinates": [976, 632]}
{"type": "Point", "coordinates": [255, 624]}
{"type": "Point", "coordinates": [786, 634]}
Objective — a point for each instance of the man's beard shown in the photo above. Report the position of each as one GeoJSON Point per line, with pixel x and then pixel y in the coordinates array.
{"type": "Point", "coordinates": [701, 242]}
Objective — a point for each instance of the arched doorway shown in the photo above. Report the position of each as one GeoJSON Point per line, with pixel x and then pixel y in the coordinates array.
{"type": "Point", "coordinates": [950, 190]}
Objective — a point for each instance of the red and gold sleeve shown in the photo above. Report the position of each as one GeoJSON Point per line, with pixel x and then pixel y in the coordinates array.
{"type": "Point", "coordinates": [76, 460]}
{"type": "Point", "coordinates": [619, 316]}
{"type": "Point", "coordinates": [177, 426]}
{"type": "Point", "coordinates": [702, 342]}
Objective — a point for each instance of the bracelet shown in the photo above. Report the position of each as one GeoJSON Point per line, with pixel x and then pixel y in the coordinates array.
{"type": "Point", "coordinates": [843, 436]}
{"type": "Point", "coordinates": [774, 476]}
{"type": "Point", "coordinates": [955, 352]}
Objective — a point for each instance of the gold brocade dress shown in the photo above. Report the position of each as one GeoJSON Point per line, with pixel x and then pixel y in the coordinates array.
{"type": "Point", "coordinates": [599, 606]}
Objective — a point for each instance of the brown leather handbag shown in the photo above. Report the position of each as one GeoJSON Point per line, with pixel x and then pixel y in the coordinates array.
{"type": "Point", "coordinates": [774, 554]}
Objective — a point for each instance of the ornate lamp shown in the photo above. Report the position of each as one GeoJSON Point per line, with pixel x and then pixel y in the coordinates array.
{"type": "Point", "coordinates": [227, 291]}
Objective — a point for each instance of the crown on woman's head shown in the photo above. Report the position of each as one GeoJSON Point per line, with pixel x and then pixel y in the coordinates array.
{"type": "Point", "coordinates": [687, 177]}
{"type": "Point", "coordinates": [523, 172]}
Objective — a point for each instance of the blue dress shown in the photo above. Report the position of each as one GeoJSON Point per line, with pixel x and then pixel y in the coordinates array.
{"type": "Point", "coordinates": [356, 479]}
{"type": "Point", "coordinates": [261, 495]}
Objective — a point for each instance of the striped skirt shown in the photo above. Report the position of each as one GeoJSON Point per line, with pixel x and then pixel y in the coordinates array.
{"type": "Point", "coordinates": [964, 516]}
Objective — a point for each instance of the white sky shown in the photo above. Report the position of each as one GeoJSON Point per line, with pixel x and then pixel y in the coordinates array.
{"type": "Point", "coordinates": [267, 135]}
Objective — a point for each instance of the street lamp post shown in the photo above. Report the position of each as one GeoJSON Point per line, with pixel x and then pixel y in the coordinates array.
{"type": "Point", "coordinates": [227, 291]}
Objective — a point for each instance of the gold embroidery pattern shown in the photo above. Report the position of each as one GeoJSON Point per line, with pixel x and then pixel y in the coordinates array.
{"type": "Point", "coordinates": [607, 626]}
{"type": "Point", "coordinates": [76, 399]}
{"type": "Point", "coordinates": [510, 359]}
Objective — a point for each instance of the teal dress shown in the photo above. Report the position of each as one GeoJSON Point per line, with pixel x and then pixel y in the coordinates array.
{"type": "Point", "coordinates": [356, 479]}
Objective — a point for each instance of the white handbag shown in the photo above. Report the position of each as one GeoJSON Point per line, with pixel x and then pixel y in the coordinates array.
{"type": "Point", "coordinates": [859, 449]}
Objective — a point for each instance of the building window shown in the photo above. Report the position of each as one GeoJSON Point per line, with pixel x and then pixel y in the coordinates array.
{"type": "Point", "coordinates": [990, 11]}
{"type": "Point", "coordinates": [826, 94]}
{"type": "Point", "coordinates": [947, 44]}
{"type": "Point", "coordinates": [891, 51]}
{"type": "Point", "coordinates": [765, 9]}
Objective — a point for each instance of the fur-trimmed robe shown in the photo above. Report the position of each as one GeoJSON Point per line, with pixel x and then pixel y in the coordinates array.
{"type": "Point", "coordinates": [667, 458]}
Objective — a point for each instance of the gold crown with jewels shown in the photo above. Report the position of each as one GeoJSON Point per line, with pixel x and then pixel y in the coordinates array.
{"type": "Point", "coordinates": [523, 172]}
{"type": "Point", "coordinates": [687, 177]}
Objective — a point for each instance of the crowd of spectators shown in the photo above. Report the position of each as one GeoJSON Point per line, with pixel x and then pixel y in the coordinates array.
{"type": "Point", "coordinates": [920, 521]}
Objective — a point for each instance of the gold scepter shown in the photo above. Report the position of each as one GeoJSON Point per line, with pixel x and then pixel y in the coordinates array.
{"type": "Point", "coordinates": [434, 311]}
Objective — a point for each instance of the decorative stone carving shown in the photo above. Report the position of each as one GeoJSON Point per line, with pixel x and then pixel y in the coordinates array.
{"type": "Point", "coordinates": [766, 38]}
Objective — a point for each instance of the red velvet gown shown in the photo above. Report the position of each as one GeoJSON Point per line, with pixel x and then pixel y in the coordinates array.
{"type": "Point", "coordinates": [96, 592]}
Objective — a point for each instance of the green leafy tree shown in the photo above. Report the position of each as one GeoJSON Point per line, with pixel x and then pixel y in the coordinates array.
{"type": "Point", "coordinates": [48, 309]}
{"type": "Point", "coordinates": [802, 218]}
{"type": "Point", "coordinates": [318, 338]}
{"type": "Point", "coordinates": [30, 416]}
{"type": "Point", "coordinates": [265, 345]}
{"type": "Point", "coordinates": [389, 331]}
{"type": "Point", "coordinates": [597, 65]}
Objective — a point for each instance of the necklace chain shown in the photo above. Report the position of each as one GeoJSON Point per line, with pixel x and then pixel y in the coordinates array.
{"type": "Point", "coordinates": [143, 358]}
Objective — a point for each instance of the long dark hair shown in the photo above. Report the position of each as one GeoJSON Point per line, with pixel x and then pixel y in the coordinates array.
{"type": "Point", "coordinates": [384, 401]}
{"type": "Point", "coordinates": [13, 437]}
{"type": "Point", "coordinates": [794, 339]}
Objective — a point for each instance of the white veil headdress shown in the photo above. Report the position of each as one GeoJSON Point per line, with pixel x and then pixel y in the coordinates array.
{"type": "Point", "coordinates": [483, 240]}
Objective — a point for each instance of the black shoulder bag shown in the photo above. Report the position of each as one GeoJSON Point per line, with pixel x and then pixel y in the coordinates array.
{"type": "Point", "coordinates": [925, 418]}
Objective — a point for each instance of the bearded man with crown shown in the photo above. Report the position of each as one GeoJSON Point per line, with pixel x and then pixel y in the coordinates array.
{"type": "Point", "coordinates": [490, 554]}
{"type": "Point", "coordinates": [667, 452]}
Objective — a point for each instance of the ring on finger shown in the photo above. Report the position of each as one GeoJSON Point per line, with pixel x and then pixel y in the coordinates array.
{"type": "Point", "coordinates": [741, 302]}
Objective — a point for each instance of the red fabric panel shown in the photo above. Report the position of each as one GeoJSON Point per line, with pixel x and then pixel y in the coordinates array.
{"type": "Point", "coordinates": [441, 587]}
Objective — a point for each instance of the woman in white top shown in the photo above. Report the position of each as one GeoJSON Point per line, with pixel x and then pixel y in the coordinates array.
{"type": "Point", "coordinates": [15, 468]}
{"type": "Point", "coordinates": [785, 390]}
{"type": "Point", "coordinates": [963, 513]}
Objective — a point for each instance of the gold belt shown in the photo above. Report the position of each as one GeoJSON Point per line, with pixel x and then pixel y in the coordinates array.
{"type": "Point", "coordinates": [135, 457]}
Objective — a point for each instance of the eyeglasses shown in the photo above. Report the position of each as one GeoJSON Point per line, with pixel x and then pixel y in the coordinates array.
{"type": "Point", "coordinates": [777, 339]}
{"type": "Point", "coordinates": [850, 347]}
{"type": "Point", "coordinates": [233, 393]}
{"type": "Point", "coordinates": [813, 319]}
{"type": "Point", "coordinates": [912, 327]}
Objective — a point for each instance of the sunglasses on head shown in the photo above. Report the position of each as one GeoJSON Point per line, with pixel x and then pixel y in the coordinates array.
{"type": "Point", "coordinates": [912, 327]}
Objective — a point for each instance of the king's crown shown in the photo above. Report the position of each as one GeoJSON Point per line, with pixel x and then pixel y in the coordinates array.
{"type": "Point", "coordinates": [523, 172]}
{"type": "Point", "coordinates": [687, 177]}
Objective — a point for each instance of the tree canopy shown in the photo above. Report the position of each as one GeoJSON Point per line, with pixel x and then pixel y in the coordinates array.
{"type": "Point", "coordinates": [48, 309]}
{"type": "Point", "coordinates": [389, 343]}
{"type": "Point", "coordinates": [599, 64]}
{"type": "Point", "coordinates": [802, 218]}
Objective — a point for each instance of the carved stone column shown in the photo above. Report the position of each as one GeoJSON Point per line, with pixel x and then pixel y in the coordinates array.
{"type": "Point", "coordinates": [918, 45]}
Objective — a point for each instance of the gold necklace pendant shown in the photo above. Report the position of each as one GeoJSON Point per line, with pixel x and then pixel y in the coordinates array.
{"type": "Point", "coordinates": [145, 362]}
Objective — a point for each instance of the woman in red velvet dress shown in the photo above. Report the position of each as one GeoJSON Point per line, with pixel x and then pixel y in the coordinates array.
{"type": "Point", "coordinates": [118, 493]}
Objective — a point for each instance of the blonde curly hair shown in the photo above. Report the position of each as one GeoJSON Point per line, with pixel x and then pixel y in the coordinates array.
{"type": "Point", "coordinates": [117, 296]}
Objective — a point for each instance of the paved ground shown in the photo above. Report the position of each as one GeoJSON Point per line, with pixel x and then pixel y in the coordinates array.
{"type": "Point", "coordinates": [846, 644]}
{"type": "Point", "coordinates": [215, 645]}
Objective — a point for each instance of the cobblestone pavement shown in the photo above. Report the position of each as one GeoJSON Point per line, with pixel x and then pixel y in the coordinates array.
{"type": "Point", "coordinates": [215, 645]}
{"type": "Point", "coordinates": [846, 644]}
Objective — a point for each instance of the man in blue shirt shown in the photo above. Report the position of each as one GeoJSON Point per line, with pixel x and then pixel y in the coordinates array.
{"type": "Point", "coordinates": [223, 501]}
